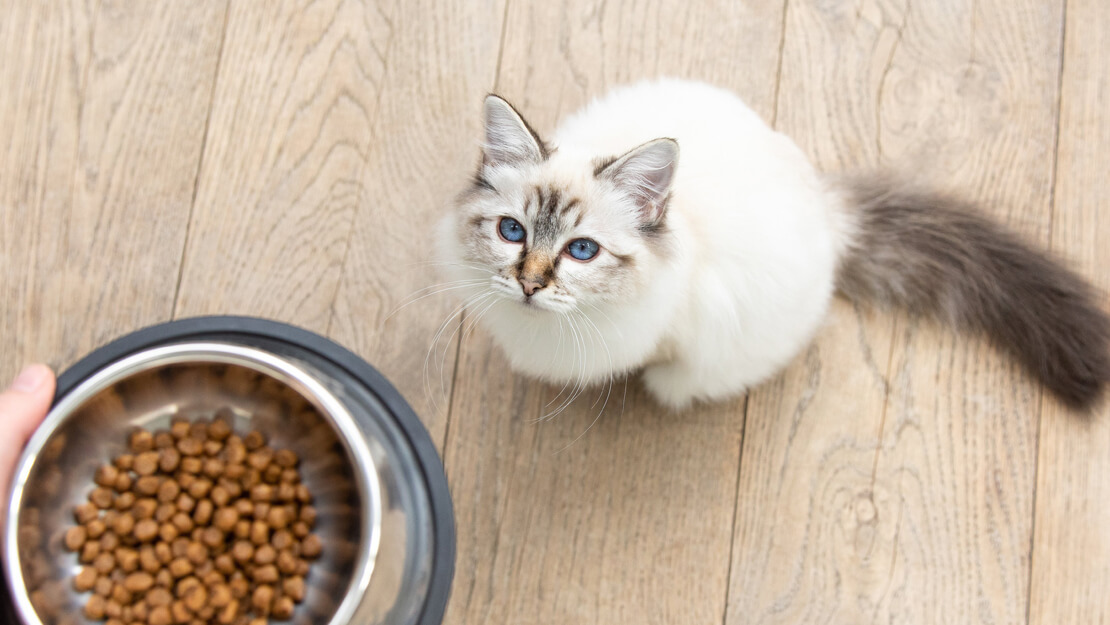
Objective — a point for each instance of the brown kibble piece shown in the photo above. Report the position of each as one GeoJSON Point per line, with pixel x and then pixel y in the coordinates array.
{"type": "Point", "coordinates": [147, 485]}
{"type": "Point", "coordinates": [96, 528]}
{"type": "Point", "coordinates": [196, 553]}
{"type": "Point", "coordinates": [225, 519]}
{"type": "Point", "coordinates": [168, 491]}
{"type": "Point", "coordinates": [203, 512]}
{"type": "Point", "coordinates": [199, 489]}
{"type": "Point", "coordinates": [160, 616]}
{"type": "Point", "coordinates": [95, 607]}
{"type": "Point", "coordinates": [220, 429]}
{"type": "Point", "coordinates": [179, 428]}
{"type": "Point", "coordinates": [106, 475]}
{"type": "Point", "coordinates": [124, 524]}
{"type": "Point", "coordinates": [225, 564]}
{"type": "Point", "coordinates": [85, 579]}
{"type": "Point", "coordinates": [196, 598]}
{"type": "Point", "coordinates": [261, 599]}
{"type": "Point", "coordinates": [220, 496]}
{"type": "Point", "coordinates": [191, 466]}
{"type": "Point", "coordinates": [220, 595]}
{"type": "Point", "coordinates": [146, 463]}
{"type": "Point", "coordinates": [138, 582]}
{"type": "Point", "coordinates": [283, 608]}
{"type": "Point", "coordinates": [181, 613]}
{"type": "Point", "coordinates": [260, 533]}
{"type": "Point", "coordinates": [89, 552]}
{"type": "Point", "coordinates": [272, 474]}
{"type": "Point", "coordinates": [85, 512]}
{"type": "Point", "coordinates": [102, 497]}
{"type": "Point", "coordinates": [123, 483]}
{"type": "Point", "coordinates": [262, 492]}
{"type": "Point", "coordinates": [260, 458]}
{"type": "Point", "coordinates": [128, 559]}
{"type": "Point", "coordinates": [286, 458]}
{"type": "Point", "coordinates": [300, 529]}
{"type": "Point", "coordinates": [286, 562]}
{"type": "Point", "coordinates": [121, 595]}
{"type": "Point", "coordinates": [242, 551]}
{"type": "Point", "coordinates": [167, 532]}
{"type": "Point", "coordinates": [183, 523]}
{"type": "Point", "coordinates": [124, 462]}
{"type": "Point", "coordinates": [213, 468]}
{"type": "Point", "coordinates": [103, 586]}
{"type": "Point", "coordinates": [104, 563]}
{"type": "Point", "coordinates": [267, 574]}
{"type": "Point", "coordinates": [277, 517]}
{"type": "Point", "coordinates": [141, 441]}
{"type": "Point", "coordinates": [144, 508]}
{"type": "Point", "coordinates": [125, 500]}
{"type": "Point", "coordinates": [109, 541]}
{"type": "Point", "coordinates": [212, 537]}
{"type": "Point", "coordinates": [212, 448]}
{"type": "Point", "coordinates": [75, 537]}
{"type": "Point", "coordinates": [265, 555]}
{"type": "Point", "coordinates": [180, 567]}
{"type": "Point", "coordinates": [169, 459]}
{"type": "Point", "coordinates": [311, 546]}
{"type": "Point", "coordinates": [163, 439]}
{"type": "Point", "coordinates": [253, 440]}
{"type": "Point", "coordinates": [190, 446]}
{"type": "Point", "coordinates": [163, 578]}
{"type": "Point", "coordinates": [158, 597]}
{"type": "Point", "coordinates": [146, 530]}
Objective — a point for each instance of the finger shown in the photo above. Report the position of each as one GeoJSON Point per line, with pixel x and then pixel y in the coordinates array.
{"type": "Point", "coordinates": [22, 408]}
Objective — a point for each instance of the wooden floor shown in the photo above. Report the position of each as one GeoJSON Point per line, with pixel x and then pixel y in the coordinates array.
{"type": "Point", "coordinates": [166, 159]}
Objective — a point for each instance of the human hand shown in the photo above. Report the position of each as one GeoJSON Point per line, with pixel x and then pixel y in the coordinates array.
{"type": "Point", "coordinates": [22, 407]}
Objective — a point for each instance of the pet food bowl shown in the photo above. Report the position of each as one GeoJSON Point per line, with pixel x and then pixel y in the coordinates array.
{"type": "Point", "coordinates": [385, 517]}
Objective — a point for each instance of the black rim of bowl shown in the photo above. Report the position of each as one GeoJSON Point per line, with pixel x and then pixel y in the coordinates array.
{"type": "Point", "coordinates": [215, 327]}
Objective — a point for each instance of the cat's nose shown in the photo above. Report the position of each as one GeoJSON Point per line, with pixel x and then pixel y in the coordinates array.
{"type": "Point", "coordinates": [530, 286]}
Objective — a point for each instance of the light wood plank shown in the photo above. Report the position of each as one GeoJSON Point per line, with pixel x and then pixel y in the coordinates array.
{"type": "Point", "coordinates": [441, 63]}
{"type": "Point", "coordinates": [1071, 547]}
{"type": "Point", "coordinates": [630, 522]}
{"type": "Point", "coordinates": [296, 98]}
{"type": "Point", "coordinates": [114, 181]}
{"type": "Point", "coordinates": [41, 85]}
{"type": "Point", "coordinates": [904, 493]}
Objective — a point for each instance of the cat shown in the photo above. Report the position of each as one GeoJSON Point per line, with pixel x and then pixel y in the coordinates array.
{"type": "Point", "coordinates": [666, 229]}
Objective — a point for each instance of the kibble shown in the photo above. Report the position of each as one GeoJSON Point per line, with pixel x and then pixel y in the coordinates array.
{"type": "Point", "coordinates": [194, 524]}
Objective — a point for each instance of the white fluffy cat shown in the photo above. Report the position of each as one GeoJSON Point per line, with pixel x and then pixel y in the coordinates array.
{"type": "Point", "coordinates": [666, 228]}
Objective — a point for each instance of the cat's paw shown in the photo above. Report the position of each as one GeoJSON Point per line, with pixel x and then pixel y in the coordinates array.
{"type": "Point", "coordinates": [671, 386]}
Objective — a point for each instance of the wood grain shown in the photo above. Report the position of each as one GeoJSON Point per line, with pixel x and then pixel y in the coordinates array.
{"type": "Point", "coordinates": [1071, 546]}
{"type": "Point", "coordinates": [617, 512]}
{"type": "Point", "coordinates": [441, 63]}
{"type": "Point", "coordinates": [281, 181]}
{"type": "Point", "coordinates": [105, 197]}
{"type": "Point", "coordinates": [904, 495]}
{"type": "Point", "coordinates": [41, 87]}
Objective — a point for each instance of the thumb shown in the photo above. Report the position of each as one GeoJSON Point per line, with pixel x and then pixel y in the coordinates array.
{"type": "Point", "coordinates": [22, 408]}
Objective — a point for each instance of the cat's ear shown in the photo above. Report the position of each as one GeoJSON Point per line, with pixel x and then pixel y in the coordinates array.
{"type": "Point", "coordinates": [646, 174]}
{"type": "Point", "coordinates": [509, 139]}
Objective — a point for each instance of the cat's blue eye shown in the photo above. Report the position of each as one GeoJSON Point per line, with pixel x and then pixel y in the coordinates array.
{"type": "Point", "coordinates": [511, 230]}
{"type": "Point", "coordinates": [582, 249]}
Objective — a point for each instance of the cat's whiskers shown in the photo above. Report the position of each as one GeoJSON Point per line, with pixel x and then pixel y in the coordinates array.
{"type": "Point", "coordinates": [442, 287]}
{"type": "Point", "coordinates": [579, 353]}
{"type": "Point", "coordinates": [432, 348]}
{"type": "Point", "coordinates": [609, 392]}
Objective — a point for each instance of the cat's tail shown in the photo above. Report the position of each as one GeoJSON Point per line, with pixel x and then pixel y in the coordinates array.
{"type": "Point", "coordinates": [936, 255]}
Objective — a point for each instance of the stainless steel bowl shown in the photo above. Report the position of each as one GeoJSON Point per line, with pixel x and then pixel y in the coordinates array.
{"type": "Point", "coordinates": [384, 516]}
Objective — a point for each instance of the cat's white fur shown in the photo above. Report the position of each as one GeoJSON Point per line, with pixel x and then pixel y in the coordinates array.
{"type": "Point", "coordinates": [742, 284]}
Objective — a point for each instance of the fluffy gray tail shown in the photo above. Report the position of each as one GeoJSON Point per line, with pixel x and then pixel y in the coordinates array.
{"type": "Point", "coordinates": [936, 255]}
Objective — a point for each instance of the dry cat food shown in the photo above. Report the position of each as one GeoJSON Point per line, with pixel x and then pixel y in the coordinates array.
{"type": "Point", "coordinates": [195, 525]}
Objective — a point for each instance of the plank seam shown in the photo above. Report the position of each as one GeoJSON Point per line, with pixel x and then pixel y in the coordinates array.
{"type": "Point", "coordinates": [1051, 223]}
{"type": "Point", "coordinates": [200, 161]}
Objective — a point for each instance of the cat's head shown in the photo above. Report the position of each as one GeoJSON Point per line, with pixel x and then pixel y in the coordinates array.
{"type": "Point", "coordinates": [556, 230]}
